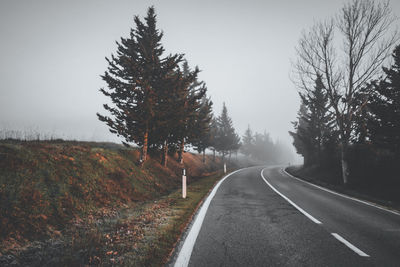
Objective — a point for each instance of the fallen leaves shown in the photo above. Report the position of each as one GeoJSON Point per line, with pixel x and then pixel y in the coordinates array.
{"type": "Point", "coordinates": [111, 252]}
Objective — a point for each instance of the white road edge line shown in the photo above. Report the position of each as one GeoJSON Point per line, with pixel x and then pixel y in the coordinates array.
{"type": "Point", "coordinates": [291, 202]}
{"type": "Point", "coordinates": [349, 245]}
{"type": "Point", "coordinates": [187, 248]}
{"type": "Point", "coordinates": [342, 195]}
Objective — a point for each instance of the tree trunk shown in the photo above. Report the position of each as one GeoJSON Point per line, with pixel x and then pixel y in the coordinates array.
{"type": "Point", "coordinates": [181, 151]}
{"type": "Point", "coordinates": [204, 156]}
{"type": "Point", "coordinates": [230, 154]}
{"type": "Point", "coordinates": [165, 154]}
{"type": "Point", "coordinates": [143, 157]}
{"type": "Point", "coordinates": [214, 155]}
{"type": "Point", "coordinates": [345, 167]}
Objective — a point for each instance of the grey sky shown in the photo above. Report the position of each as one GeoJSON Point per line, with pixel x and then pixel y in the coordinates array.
{"type": "Point", "coordinates": [52, 53]}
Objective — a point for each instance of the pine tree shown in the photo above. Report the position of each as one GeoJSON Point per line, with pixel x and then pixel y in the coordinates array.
{"type": "Point", "coordinates": [235, 143]}
{"type": "Point", "coordinates": [226, 139]}
{"type": "Point", "coordinates": [301, 140]}
{"type": "Point", "coordinates": [248, 142]}
{"type": "Point", "coordinates": [134, 77]}
{"type": "Point", "coordinates": [320, 120]}
{"type": "Point", "coordinates": [261, 147]}
{"type": "Point", "coordinates": [192, 103]}
{"type": "Point", "coordinates": [214, 135]}
{"type": "Point", "coordinates": [202, 127]}
{"type": "Point", "coordinates": [174, 110]}
{"type": "Point", "coordinates": [384, 124]}
{"type": "Point", "coordinates": [314, 128]}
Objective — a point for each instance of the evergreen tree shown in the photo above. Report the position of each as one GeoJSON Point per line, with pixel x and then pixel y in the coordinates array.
{"type": "Point", "coordinates": [363, 116]}
{"type": "Point", "coordinates": [177, 104]}
{"type": "Point", "coordinates": [321, 121]}
{"type": "Point", "coordinates": [315, 125]}
{"type": "Point", "coordinates": [235, 144]}
{"type": "Point", "coordinates": [248, 142]}
{"type": "Point", "coordinates": [301, 138]}
{"type": "Point", "coordinates": [384, 104]}
{"type": "Point", "coordinates": [226, 139]}
{"type": "Point", "coordinates": [202, 127]}
{"type": "Point", "coordinates": [214, 135]}
{"type": "Point", "coordinates": [134, 77]}
{"type": "Point", "coordinates": [261, 147]}
{"type": "Point", "coordinates": [192, 97]}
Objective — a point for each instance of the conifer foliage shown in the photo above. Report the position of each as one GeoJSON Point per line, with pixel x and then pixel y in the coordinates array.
{"type": "Point", "coordinates": [347, 50]}
{"type": "Point", "coordinates": [178, 104]}
{"type": "Point", "coordinates": [135, 78]}
{"type": "Point", "coordinates": [226, 139]}
{"type": "Point", "coordinates": [157, 100]}
{"type": "Point", "coordinates": [384, 106]}
{"type": "Point", "coordinates": [202, 134]}
{"type": "Point", "coordinates": [248, 142]}
{"type": "Point", "coordinates": [374, 150]}
{"type": "Point", "coordinates": [263, 149]}
{"type": "Point", "coordinates": [314, 130]}
{"type": "Point", "coordinates": [301, 139]}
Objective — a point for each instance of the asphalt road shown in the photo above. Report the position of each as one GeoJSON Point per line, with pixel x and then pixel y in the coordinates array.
{"type": "Point", "coordinates": [248, 223]}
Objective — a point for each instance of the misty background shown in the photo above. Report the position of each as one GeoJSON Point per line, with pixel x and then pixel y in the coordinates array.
{"type": "Point", "coordinates": [53, 53]}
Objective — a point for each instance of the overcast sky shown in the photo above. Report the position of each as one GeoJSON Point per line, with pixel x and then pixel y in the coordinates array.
{"type": "Point", "coordinates": [52, 53]}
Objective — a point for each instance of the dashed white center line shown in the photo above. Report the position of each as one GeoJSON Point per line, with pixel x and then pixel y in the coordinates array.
{"type": "Point", "coordinates": [283, 171]}
{"type": "Point", "coordinates": [337, 236]}
{"type": "Point", "coordinates": [309, 216]}
{"type": "Point", "coordinates": [351, 246]}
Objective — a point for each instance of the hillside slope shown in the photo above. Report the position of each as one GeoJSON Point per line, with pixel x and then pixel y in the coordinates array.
{"type": "Point", "coordinates": [44, 186]}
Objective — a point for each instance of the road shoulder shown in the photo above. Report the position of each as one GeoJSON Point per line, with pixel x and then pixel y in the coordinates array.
{"type": "Point", "coordinates": [388, 206]}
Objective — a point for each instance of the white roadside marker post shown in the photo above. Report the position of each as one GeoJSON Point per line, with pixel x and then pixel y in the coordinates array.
{"type": "Point", "coordinates": [184, 183]}
{"type": "Point", "coordinates": [224, 167]}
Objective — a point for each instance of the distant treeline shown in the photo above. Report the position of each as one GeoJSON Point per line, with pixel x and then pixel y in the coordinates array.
{"type": "Point", "coordinates": [158, 101]}
{"type": "Point", "coordinates": [262, 148]}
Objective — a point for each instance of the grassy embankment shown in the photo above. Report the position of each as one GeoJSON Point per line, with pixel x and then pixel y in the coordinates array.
{"type": "Point", "coordinates": [77, 203]}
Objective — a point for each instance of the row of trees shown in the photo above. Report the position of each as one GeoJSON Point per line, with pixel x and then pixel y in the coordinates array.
{"type": "Point", "coordinates": [157, 100]}
{"type": "Point", "coordinates": [338, 72]}
{"type": "Point", "coordinates": [262, 148]}
{"type": "Point", "coordinates": [376, 129]}
{"type": "Point", "coordinates": [221, 136]}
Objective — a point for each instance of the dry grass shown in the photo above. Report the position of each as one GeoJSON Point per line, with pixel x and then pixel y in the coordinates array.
{"type": "Point", "coordinates": [104, 209]}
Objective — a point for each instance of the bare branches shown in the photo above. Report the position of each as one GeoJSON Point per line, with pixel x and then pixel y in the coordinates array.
{"type": "Point", "coordinates": [367, 43]}
{"type": "Point", "coordinates": [315, 55]}
{"type": "Point", "coordinates": [364, 27]}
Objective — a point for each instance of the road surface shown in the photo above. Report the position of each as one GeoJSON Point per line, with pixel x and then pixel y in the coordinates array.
{"type": "Point", "coordinates": [263, 217]}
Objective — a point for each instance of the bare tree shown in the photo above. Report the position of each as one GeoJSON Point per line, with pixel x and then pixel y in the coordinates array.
{"type": "Point", "coordinates": [347, 51]}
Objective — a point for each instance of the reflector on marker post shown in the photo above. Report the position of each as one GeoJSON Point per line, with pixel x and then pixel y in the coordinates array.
{"type": "Point", "coordinates": [184, 183]}
{"type": "Point", "coordinates": [224, 167]}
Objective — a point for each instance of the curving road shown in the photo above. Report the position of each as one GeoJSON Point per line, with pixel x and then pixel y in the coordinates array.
{"type": "Point", "coordinates": [264, 217]}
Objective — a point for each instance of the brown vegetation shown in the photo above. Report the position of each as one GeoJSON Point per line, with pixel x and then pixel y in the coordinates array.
{"type": "Point", "coordinates": [62, 190]}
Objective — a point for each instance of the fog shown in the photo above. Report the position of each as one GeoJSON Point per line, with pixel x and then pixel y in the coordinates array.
{"type": "Point", "coordinates": [52, 55]}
